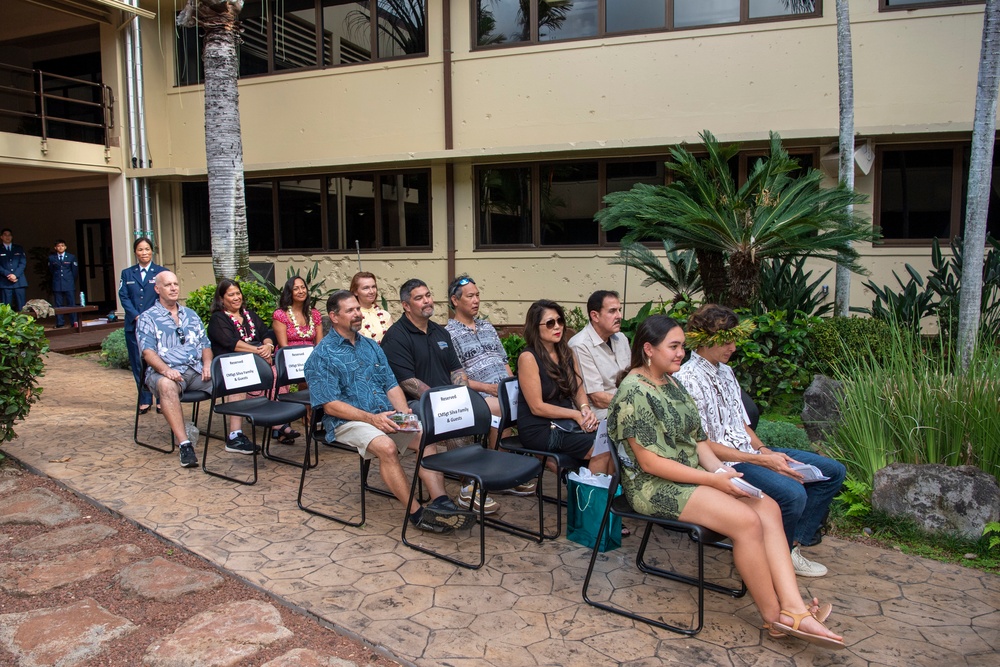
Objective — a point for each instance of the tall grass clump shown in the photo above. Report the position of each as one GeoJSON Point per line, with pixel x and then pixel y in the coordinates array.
{"type": "Point", "coordinates": [912, 404]}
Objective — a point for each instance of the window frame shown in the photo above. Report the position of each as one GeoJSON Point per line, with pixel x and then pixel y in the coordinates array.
{"type": "Point", "coordinates": [271, 13]}
{"type": "Point", "coordinates": [602, 32]}
{"type": "Point", "coordinates": [324, 180]}
{"type": "Point", "coordinates": [884, 6]}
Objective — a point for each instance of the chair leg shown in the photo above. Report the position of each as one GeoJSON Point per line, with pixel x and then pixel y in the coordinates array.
{"type": "Point", "coordinates": [436, 554]}
{"type": "Point", "coordinates": [305, 508]}
{"type": "Point", "coordinates": [640, 562]}
{"type": "Point", "coordinates": [204, 458]}
{"type": "Point", "coordinates": [135, 433]}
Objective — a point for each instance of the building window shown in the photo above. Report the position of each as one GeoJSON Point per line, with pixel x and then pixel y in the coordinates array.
{"type": "Point", "coordinates": [553, 204]}
{"type": "Point", "coordinates": [889, 5]}
{"type": "Point", "coordinates": [921, 193]}
{"type": "Point", "coordinates": [511, 22]}
{"type": "Point", "coordinates": [323, 213]}
{"type": "Point", "coordinates": [284, 35]}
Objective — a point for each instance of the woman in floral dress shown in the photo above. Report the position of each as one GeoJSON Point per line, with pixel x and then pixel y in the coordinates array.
{"type": "Point", "coordinates": [669, 470]}
{"type": "Point", "coordinates": [295, 323]}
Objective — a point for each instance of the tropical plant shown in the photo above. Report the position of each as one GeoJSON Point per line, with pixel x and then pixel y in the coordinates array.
{"type": "Point", "coordinates": [915, 406]}
{"type": "Point", "coordinates": [680, 275]}
{"type": "Point", "coordinates": [906, 306]}
{"type": "Point", "coordinates": [223, 143]}
{"type": "Point", "coordinates": [774, 214]}
{"type": "Point", "coordinates": [785, 285]}
{"type": "Point", "coordinates": [513, 345]}
{"type": "Point", "coordinates": [114, 352]}
{"type": "Point", "coordinates": [316, 293]}
{"type": "Point", "coordinates": [984, 125]}
{"type": "Point", "coordinates": [255, 297]}
{"type": "Point", "coordinates": [856, 497]}
{"type": "Point", "coordinates": [22, 346]}
{"type": "Point", "coordinates": [576, 319]}
{"type": "Point", "coordinates": [774, 364]}
{"type": "Point", "coordinates": [402, 22]}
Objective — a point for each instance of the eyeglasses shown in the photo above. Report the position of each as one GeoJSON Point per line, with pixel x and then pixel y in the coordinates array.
{"type": "Point", "coordinates": [456, 288]}
{"type": "Point", "coordinates": [551, 324]}
{"type": "Point", "coordinates": [180, 334]}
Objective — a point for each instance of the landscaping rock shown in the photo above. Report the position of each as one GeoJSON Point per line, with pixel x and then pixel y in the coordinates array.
{"type": "Point", "coordinates": [302, 657]}
{"type": "Point", "coordinates": [59, 540]}
{"type": "Point", "coordinates": [941, 499]}
{"type": "Point", "coordinates": [820, 412]}
{"type": "Point", "coordinates": [62, 570]}
{"type": "Point", "coordinates": [159, 579]}
{"type": "Point", "coordinates": [39, 506]}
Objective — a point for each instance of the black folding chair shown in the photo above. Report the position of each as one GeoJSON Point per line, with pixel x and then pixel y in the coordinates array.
{"type": "Point", "coordinates": [700, 535]}
{"type": "Point", "coordinates": [289, 374]}
{"type": "Point", "coordinates": [462, 413]}
{"type": "Point", "coordinates": [365, 468]}
{"type": "Point", "coordinates": [193, 397]}
{"type": "Point", "coordinates": [227, 371]}
{"type": "Point", "coordinates": [509, 394]}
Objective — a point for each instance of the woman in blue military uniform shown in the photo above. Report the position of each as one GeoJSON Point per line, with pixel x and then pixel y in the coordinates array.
{"type": "Point", "coordinates": [136, 293]}
{"type": "Point", "coordinates": [64, 271]}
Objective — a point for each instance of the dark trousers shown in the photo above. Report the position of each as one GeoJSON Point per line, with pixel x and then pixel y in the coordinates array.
{"type": "Point", "coordinates": [13, 297]}
{"type": "Point", "coordinates": [135, 360]}
{"type": "Point", "coordinates": [61, 299]}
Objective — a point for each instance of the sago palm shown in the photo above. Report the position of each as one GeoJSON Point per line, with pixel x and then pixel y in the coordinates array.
{"type": "Point", "coordinates": [775, 214]}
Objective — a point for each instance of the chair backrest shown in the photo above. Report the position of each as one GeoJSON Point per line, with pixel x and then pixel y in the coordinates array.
{"type": "Point", "coordinates": [753, 412]}
{"type": "Point", "coordinates": [509, 396]}
{"type": "Point", "coordinates": [240, 372]}
{"type": "Point", "coordinates": [289, 363]}
{"type": "Point", "coordinates": [453, 411]}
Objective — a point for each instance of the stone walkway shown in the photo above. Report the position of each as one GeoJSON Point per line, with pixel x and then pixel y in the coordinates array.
{"type": "Point", "coordinates": [523, 608]}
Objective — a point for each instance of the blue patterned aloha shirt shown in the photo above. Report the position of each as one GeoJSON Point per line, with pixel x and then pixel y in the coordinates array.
{"type": "Point", "coordinates": [480, 351]}
{"type": "Point", "coordinates": [156, 330]}
{"type": "Point", "coordinates": [357, 374]}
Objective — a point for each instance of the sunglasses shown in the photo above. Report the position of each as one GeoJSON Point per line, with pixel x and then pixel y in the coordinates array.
{"type": "Point", "coordinates": [462, 282]}
{"type": "Point", "coordinates": [551, 324]}
{"type": "Point", "coordinates": [180, 334]}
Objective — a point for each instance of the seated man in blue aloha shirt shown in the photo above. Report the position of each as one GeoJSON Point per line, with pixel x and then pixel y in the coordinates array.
{"type": "Point", "coordinates": [352, 386]}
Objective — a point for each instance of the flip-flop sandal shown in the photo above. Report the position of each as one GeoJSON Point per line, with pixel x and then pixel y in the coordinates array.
{"type": "Point", "coordinates": [819, 612]}
{"type": "Point", "coordinates": [793, 630]}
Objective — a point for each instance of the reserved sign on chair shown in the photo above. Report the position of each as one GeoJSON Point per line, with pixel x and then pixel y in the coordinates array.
{"type": "Point", "coordinates": [295, 362]}
{"type": "Point", "coordinates": [239, 371]}
{"type": "Point", "coordinates": [452, 410]}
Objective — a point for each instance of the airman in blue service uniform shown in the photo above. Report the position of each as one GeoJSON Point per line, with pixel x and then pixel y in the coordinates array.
{"type": "Point", "coordinates": [64, 271]}
{"type": "Point", "coordinates": [137, 293]}
{"type": "Point", "coordinates": [13, 261]}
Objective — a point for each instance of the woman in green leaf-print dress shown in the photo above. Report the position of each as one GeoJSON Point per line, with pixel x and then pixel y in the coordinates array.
{"type": "Point", "coordinates": [666, 471]}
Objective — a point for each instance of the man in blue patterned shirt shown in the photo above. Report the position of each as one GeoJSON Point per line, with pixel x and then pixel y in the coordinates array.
{"type": "Point", "coordinates": [178, 356]}
{"type": "Point", "coordinates": [351, 383]}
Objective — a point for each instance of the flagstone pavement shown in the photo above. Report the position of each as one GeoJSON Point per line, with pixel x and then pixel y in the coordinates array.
{"type": "Point", "coordinates": [524, 607]}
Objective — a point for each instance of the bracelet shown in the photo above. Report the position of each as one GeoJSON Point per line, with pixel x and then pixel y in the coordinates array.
{"type": "Point", "coordinates": [585, 405]}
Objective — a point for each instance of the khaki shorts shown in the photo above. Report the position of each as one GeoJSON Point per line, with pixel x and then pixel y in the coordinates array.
{"type": "Point", "coordinates": [360, 434]}
{"type": "Point", "coordinates": [191, 381]}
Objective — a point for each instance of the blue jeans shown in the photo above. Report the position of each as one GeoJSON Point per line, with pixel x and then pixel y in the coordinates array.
{"type": "Point", "coordinates": [803, 506]}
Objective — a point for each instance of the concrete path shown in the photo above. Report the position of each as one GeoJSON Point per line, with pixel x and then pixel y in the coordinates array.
{"type": "Point", "coordinates": [524, 607]}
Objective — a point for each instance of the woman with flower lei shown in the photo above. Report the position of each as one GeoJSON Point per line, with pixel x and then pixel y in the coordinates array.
{"type": "Point", "coordinates": [295, 324]}
{"type": "Point", "coordinates": [234, 328]}
{"type": "Point", "coordinates": [375, 321]}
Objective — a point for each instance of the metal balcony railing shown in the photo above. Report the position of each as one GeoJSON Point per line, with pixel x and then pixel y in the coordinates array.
{"type": "Point", "coordinates": [52, 106]}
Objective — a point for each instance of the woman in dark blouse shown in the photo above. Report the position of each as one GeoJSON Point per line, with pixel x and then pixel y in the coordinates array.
{"type": "Point", "coordinates": [234, 328]}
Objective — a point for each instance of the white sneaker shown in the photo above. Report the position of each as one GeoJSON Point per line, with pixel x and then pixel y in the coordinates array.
{"type": "Point", "coordinates": [465, 499]}
{"type": "Point", "coordinates": [805, 567]}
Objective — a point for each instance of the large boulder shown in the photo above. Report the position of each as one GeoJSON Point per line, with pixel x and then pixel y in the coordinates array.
{"type": "Point", "coordinates": [820, 412]}
{"type": "Point", "coordinates": [940, 499]}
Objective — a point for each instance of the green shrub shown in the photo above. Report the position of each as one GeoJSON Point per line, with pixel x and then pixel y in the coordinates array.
{"type": "Point", "coordinates": [114, 352]}
{"type": "Point", "coordinates": [785, 285]}
{"type": "Point", "coordinates": [834, 337]}
{"type": "Point", "coordinates": [255, 297]}
{"type": "Point", "coordinates": [316, 293]}
{"type": "Point", "coordinates": [513, 345]}
{"type": "Point", "coordinates": [774, 364]}
{"type": "Point", "coordinates": [22, 344]}
{"type": "Point", "coordinates": [576, 319]}
{"type": "Point", "coordinates": [915, 406]}
{"type": "Point", "coordinates": [783, 435]}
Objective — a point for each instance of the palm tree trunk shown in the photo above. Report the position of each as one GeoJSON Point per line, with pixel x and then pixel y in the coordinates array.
{"type": "Point", "coordinates": [845, 75]}
{"type": "Point", "coordinates": [744, 283]}
{"type": "Point", "coordinates": [714, 279]}
{"type": "Point", "coordinates": [223, 143]}
{"type": "Point", "coordinates": [980, 172]}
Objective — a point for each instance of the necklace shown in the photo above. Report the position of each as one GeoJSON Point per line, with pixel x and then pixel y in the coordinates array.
{"type": "Point", "coordinates": [242, 329]}
{"type": "Point", "coordinates": [304, 335]}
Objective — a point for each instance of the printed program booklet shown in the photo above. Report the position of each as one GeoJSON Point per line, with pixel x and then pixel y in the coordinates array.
{"type": "Point", "coordinates": [810, 473]}
{"type": "Point", "coordinates": [746, 486]}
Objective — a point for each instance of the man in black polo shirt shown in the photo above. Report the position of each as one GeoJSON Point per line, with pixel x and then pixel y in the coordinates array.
{"type": "Point", "coordinates": [419, 350]}
{"type": "Point", "coordinates": [421, 355]}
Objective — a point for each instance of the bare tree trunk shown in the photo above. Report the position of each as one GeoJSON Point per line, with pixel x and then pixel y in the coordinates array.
{"type": "Point", "coordinates": [980, 172]}
{"type": "Point", "coordinates": [845, 75]}
{"type": "Point", "coordinates": [714, 277]}
{"type": "Point", "coordinates": [223, 143]}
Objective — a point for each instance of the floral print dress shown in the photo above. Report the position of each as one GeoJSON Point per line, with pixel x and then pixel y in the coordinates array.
{"type": "Point", "coordinates": [375, 322]}
{"type": "Point", "coordinates": [665, 420]}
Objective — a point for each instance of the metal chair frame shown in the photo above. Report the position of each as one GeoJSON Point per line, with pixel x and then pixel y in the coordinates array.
{"type": "Point", "coordinates": [700, 535]}
{"type": "Point", "coordinates": [195, 398]}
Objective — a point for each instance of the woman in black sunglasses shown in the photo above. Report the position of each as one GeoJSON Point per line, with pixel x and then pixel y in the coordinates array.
{"type": "Point", "coordinates": [554, 414]}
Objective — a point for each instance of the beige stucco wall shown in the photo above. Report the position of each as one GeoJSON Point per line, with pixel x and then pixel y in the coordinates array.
{"type": "Point", "coordinates": [915, 75]}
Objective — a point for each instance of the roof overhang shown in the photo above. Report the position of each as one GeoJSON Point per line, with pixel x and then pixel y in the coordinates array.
{"type": "Point", "coordinates": [95, 10]}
